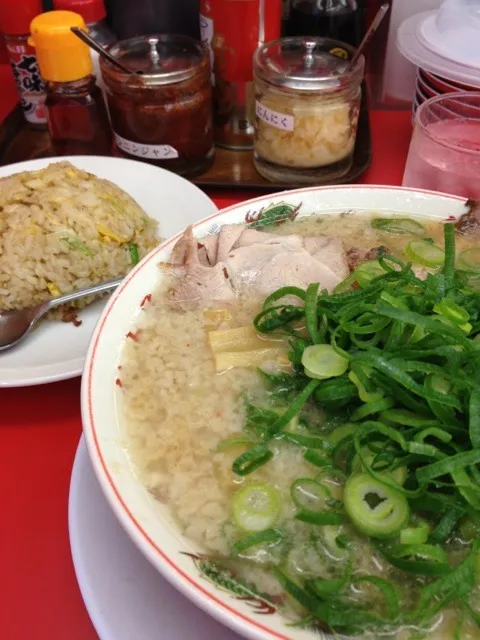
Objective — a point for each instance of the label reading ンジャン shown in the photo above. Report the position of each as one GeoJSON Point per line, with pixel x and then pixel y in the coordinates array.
{"type": "Point", "coordinates": [275, 119]}
{"type": "Point", "coordinates": [148, 151]}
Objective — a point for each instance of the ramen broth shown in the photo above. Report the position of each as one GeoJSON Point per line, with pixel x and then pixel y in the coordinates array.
{"type": "Point", "coordinates": [178, 410]}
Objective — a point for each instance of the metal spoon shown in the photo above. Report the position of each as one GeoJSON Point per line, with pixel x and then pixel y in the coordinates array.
{"type": "Point", "coordinates": [93, 44]}
{"type": "Point", "coordinates": [372, 29]}
{"type": "Point", "coordinates": [16, 324]}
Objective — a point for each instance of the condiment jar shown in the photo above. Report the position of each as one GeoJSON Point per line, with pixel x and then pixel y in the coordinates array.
{"type": "Point", "coordinates": [306, 109]}
{"type": "Point", "coordinates": [162, 114]}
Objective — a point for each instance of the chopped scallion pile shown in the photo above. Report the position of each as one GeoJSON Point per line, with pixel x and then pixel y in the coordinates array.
{"type": "Point", "coordinates": [397, 363]}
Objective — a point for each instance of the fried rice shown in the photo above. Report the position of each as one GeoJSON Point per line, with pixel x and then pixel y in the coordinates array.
{"type": "Point", "coordinates": [63, 229]}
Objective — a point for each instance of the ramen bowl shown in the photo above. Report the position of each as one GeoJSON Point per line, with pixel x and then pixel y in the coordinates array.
{"type": "Point", "coordinates": [146, 520]}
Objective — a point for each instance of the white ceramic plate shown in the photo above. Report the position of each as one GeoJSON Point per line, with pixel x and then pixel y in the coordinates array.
{"type": "Point", "coordinates": [148, 523]}
{"type": "Point", "coordinates": [56, 350]}
{"type": "Point", "coordinates": [124, 595]}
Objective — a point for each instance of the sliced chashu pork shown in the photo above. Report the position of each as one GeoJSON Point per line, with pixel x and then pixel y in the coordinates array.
{"type": "Point", "coordinates": [197, 280]}
{"type": "Point", "coordinates": [242, 260]}
{"type": "Point", "coordinates": [469, 223]}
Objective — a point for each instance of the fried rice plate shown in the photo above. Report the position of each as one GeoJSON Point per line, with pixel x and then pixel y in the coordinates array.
{"type": "Point", "coordinates": [63, 229]}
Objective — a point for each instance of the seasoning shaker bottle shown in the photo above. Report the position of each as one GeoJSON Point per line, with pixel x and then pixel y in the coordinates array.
{"type": "Point", "coordinates": [233, 29]}
{"type": "Point", "coordinates": [76, 114]}
{"type": "Point", "coordinates": [307, 107]}
{"type": "Point", "coordinates": [94, 15]}
{"type": "Point", "coordinates": [163, 115]}
{"type": "Point", "coordinates": [15, 19]}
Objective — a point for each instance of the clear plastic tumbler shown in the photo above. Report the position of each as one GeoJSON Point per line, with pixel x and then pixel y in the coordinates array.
{"type": "Point", "coordinates": [444, 152]}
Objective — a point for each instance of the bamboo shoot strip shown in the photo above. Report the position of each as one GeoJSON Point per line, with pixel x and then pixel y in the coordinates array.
{"type": "Point", "coordinates": [240, 339]}
{"type": "Point", "coordinates": [252, 359]}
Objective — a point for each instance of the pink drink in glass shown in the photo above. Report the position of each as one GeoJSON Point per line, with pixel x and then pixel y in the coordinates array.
{"type": "Point", "coordinates": [444, 152]}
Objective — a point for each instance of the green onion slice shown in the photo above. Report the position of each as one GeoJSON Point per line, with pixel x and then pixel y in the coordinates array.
{"type": "Point", "coordinates": [329, 543]}
{"type": "Point", "coordinates": [317, 459]}
{"type": "Point", "coordinates": [251, 460]}
{"type": "Point", "coordinates": [417, 534]}
{"type": "Point", "coordinates": [453, 463]}
{"type": "Point", "coordinates": [309, 494]}
{"type": "Point", "coordinates": [474, 411]}
{"type": "Point", "coordinates": [399, 474]}
{"type": "Point", "coordinates": [256, 507]}
{"type": "Point", "coordinates": [452, 311]}
{"type": "Point", "coordinates": [321, 361]}
{"type": "Point", "coordinates": [268, 536]}
{"type": "Point", "coordinates": [424, 253]}
{"type": "Point", "coordinates": [372, 408]}
{"type": "Point", "coordinates": [411, 564]}
{"type": "Point", "coordinates": [469, 260]}
{"type": "Point", "coordinates": [374, 508]}
{"type": "Point", "coordinates": [449, 263]}
{"type": "Point", "coordinates": [312, 442]}
{"type": "Point", "coordinates": [392, 604]}
{"type": "Point", "coordinates": [311, 312]}
{"type": "Point", "coordinates": [367, 271]}
{"type": "Point", "coordinates": [342, 432]}
{"type": "Point", "coordinates": [424, 551]}
{"type": "Point", "coordinates": [398, 226]}
{"type": "Point", "coordinates": [363, 393]}
{"type": "Point", "coordinates": [326, 517]}
{"type": "Point", "coordinates": [236, 441]}
{"type": "Point", "coordinates": [446, 525]}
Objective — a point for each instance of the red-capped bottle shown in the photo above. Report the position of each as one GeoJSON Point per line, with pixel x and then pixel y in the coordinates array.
{"type": "Point", "coordinates": [233, 29]}
{"type": "Point", "coordinates": [15, 19]}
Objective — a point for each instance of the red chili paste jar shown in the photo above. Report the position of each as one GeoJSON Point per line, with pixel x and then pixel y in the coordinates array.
{"type": "Point", "coordinates": [162, 113]}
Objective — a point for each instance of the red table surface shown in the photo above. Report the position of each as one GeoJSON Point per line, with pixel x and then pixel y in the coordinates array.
{"type": "Point", "coordinates": [39, 432]}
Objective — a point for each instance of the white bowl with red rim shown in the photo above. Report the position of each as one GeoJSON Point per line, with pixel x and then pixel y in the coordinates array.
{"type": "Point", "coordinates": [421, 95]}
{"type": "Point", "coordinates": [425, 88]}
{"type": "Point", "coordinates": [148, 523]}
{"type": "Point", "coordinates": [443, 85]}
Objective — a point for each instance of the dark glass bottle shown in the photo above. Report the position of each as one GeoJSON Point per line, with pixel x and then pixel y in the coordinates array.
{"type": "Point", "coordinates": [130, 18]}
{"type": "Point", "coordinates": [337, 19]}
{"type": "Point", "coordinates": [77, 118]}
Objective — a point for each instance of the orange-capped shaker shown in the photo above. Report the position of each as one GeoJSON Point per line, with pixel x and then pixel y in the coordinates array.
{"type": "Point", "coordinates": [62, 57]}
{"type": "Point", "coordinates": [76, 114]}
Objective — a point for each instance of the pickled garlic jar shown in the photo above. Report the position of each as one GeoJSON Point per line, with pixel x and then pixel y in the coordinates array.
{"type": "Point", "coordinates": [306, 109]}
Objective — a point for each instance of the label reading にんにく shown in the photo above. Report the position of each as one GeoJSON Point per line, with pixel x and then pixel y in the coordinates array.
{"type": "Point", "coordinates": [281, 121]}
{"type": "Point", "coordinates": [148, 151]}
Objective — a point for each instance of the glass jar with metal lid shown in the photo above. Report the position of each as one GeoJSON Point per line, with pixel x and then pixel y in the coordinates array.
{"type": "Point", "coordinates": [307, 103]}
{"type": "Point", "coordinates": [162, 112]}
